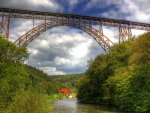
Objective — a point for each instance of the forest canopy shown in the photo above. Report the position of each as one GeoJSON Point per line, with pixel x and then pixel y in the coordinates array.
{"type": "Point", "coordinates": [120, 78]}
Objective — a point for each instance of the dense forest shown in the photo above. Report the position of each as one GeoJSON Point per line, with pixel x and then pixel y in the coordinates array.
{"type": "Point", "coordinates": [120, 78]}
{"type": "Point", "coordinates": [25, 89]}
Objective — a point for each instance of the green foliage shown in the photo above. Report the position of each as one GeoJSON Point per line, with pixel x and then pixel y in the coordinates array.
{"type": "Point", "coordinates": [23, 89]}
{"type": "Point", "coordinates": [10, 52]}
{"type": "Point", "coordinates": [13, 75]}
{"type": "Point", "coordinates": [12, 79]}
{"type": "Point", "coordinates": [120, 78]}
{"type": "Point", "coordinates": [99, 71]}
{"type": "Point", "coordinates": [30, 102]}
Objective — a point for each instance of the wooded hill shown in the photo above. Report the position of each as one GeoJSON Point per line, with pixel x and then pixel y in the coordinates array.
{"type": "Point", "coordinates": [121, 77]}
{"type": "Point", "coordinates": [25, 89]}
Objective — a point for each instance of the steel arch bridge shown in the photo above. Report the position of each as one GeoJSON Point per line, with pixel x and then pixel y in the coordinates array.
{"type": "Point", "coordinates": [84, 23]}
{"type": "Point", "coordinates": [25, 39]}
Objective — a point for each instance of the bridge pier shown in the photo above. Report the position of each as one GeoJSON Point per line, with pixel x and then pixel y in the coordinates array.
{"type": "Point", "coordinates": [125, 33]}
{"type": "Point", "coordinates": [4, 25]}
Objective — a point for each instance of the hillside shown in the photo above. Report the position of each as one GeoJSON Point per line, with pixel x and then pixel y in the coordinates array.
{"type": "Point", "coordinates": [24, 89]}
{"type": "Point", "coordinates": [120, 78]}
{"type": "Point", "coordinates": [67, 81]}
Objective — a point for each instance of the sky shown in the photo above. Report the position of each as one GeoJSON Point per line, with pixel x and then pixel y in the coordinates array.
{"type": "Point", "coordinates": [66, 50]}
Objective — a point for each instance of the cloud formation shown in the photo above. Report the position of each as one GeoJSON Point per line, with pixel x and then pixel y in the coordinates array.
{"type": "Point", "coordinates": [135, 10]}
{"type": "Point", "coordinates": [66, 50]}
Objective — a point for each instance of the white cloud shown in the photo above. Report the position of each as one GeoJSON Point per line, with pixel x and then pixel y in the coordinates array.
{"type": "Point", "coordinates": [137, 32]}
{"type": "Point", "coordinates": [43, 43]}
{"type": "Point", "coordinates": [42, 2]}
{"type": "Point", "coordinates": [33, 51]}
{"type": "Point", "coordinates": [19, 27]}
{"type": "Point", "coordinates": [135, 10]}
{"type": "Point", "coordinates": [110, 32]}
{"type": "Point", "coordinates": [62, 61]}
{"type": "Point", "coordinates": [42, 5]}
{"type": "Point", "coordinates": [81, 50]}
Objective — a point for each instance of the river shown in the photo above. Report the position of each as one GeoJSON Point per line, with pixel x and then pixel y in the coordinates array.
{"type": "Point", "coordinates": [72, 106]}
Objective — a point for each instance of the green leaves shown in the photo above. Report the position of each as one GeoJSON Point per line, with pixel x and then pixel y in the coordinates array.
{"type": "Point", "coordinates": [120, 78]}
{"type": "Point", "coordinates": [22, 88]}
{"type": "Point", "coordinates": [30, 102]}
{"type": "Point", "coordinates": [10, 52]}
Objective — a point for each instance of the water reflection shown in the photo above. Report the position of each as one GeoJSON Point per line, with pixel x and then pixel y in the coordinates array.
{"type": "Point", "coordinates": [72, 106]}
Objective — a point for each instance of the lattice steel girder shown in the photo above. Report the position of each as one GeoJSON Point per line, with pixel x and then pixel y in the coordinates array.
{"type": "Point", "coordinates": [18, 13]}
{"type": "Point", "coordinates": [4, 26]}
{"type": "Point", "coordinates": [25, 39]}
{"type": "Point", "coordinates": [125, 33]}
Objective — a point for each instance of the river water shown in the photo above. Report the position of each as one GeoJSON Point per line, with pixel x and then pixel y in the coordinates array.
{"type": "Point", "coordinates": [72, 106]}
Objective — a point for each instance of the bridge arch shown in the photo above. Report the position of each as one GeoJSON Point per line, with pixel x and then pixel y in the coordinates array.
{"type": "Point", "coordinates": [29, 36]}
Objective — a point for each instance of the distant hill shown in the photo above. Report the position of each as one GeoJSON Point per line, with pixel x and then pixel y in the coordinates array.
{"type": "Point", "coordinates": [69, 81]}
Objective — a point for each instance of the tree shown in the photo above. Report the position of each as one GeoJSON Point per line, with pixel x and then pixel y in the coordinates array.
{"type": "Point", "coordinates": [120, 78]}
{"type": "Point", "coordinates": [10, 52]}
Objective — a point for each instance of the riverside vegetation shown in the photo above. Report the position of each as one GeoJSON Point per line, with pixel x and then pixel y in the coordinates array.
{"type": "Point", "coordinates": [120, 78]}
{"type": "Point", "coordinates": [25, 89]}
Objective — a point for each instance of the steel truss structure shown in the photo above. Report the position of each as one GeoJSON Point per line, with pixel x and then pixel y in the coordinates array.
{"type": "Point", "coordinates": [25, 39]}
{"type": "Point", "coordinates": [4, 25]}
{"type": "Point", "coordinates": [85, 23]}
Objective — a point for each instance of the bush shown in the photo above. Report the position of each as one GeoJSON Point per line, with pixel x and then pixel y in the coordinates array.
{"type": "Point", "coordinates": [30, 102]}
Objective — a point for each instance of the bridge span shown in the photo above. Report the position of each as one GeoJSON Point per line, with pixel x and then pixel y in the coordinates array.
{"type": "Point", "coordinates": [85, 23]}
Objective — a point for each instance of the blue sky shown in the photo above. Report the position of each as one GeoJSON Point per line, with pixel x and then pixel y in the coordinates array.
{"type": "Point", "coordinates": [64, 50]}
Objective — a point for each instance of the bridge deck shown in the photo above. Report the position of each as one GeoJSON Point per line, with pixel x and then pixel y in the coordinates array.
{"type": "Point", "coordinates": [28, 14]}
